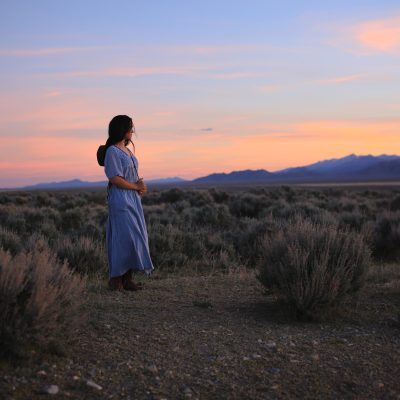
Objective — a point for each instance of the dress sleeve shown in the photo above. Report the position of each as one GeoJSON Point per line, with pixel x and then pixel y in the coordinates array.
{"type": "Point", "coordinates": [112, 164]}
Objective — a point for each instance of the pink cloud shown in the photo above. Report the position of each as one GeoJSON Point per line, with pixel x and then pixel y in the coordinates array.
{"type": "Point", "coordinates": [49, 51]}
{"type": "Point", "coordinates": [366, 37]}
{"type": "Point", "coordinates": [271, 88]}
{"type": "Point", "coordinates": [341, 79]}
{"type": "Point", "coordinates": [379, 35]}
{"type": "Point", "coordinates": [236, 75]}
{"type": "Point", "coordinates": [228, 48]}
{"type": "Point", "coordinates": [134, 71]}
{"type": "Point", "coordinates": [192, 70]}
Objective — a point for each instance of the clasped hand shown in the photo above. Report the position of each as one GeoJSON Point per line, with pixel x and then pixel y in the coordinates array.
{"type": "Point", "coordinates": [141, 187]}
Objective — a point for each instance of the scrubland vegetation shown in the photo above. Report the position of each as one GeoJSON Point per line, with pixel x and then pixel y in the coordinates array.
{"type": "Point", "coordinates": [311, 248]}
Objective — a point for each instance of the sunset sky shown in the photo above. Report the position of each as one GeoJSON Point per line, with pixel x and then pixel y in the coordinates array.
{"type": "Point", "coordinates": [212, 86]}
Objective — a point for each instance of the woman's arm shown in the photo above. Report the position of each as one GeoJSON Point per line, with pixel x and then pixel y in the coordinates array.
{"type": "Point", "coordinates": [123, 183]}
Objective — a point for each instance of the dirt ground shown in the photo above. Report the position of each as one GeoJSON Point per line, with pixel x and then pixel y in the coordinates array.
{"type": "Point", "coordinates": [218, 337]}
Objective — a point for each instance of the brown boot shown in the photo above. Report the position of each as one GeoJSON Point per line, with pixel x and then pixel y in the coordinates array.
{"type": "Point", "coordinates": [115, 283]}
{"type": "Point", "coordinates": [128, 283]}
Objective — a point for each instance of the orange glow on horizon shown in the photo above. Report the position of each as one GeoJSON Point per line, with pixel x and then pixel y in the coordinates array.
{"type": "Point", "coordinates": [189, 157]}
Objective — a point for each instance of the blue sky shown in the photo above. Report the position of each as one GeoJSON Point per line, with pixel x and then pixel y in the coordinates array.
{"type": "Point", "coordinates": [212, 86]}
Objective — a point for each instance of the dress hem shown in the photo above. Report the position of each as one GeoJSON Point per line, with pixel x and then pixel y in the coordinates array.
{"type": "Point", "coordinates": [147, 272]}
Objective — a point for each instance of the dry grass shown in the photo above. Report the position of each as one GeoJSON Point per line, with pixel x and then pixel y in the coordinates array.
{"type": "Point", "coordinates": [40, 298]}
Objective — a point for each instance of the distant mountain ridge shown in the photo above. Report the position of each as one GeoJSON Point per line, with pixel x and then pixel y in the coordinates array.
{"type": "Point", "coordinates": [348, 168]}
{"type": "Point", "coordinates": [77, 183]}
{"type": "Point", "coordinates": [351, 167]}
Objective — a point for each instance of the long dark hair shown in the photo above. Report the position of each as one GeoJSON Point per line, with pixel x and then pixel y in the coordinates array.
{"type": "Point", "coordinates": [117, 129]}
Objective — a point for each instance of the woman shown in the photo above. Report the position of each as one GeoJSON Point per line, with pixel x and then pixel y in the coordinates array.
{"type": "Point", "coordinates": [126, 233]}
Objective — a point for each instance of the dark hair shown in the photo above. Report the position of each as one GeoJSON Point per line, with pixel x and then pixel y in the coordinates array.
{"type": "Point", "coordinates": [117, 129]}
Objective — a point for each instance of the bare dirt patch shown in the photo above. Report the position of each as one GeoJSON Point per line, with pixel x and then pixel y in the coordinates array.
{"type": "Point", "coordinates": [218, 337]}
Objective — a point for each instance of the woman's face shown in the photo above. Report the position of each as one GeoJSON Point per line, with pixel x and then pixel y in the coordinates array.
{"type": "Point", "coordinates": [128, 135]}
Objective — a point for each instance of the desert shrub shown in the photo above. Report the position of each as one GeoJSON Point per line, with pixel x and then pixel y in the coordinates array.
{"type": "Point", "coordinates": [216, 243]}
{"type": "Point", "coordinates": [73, 219]}
{"type": "Point", "coordinates": [25, 220]}
{"type": "Point", "coordinates": [248, 205]}
{"type": "Point", "coordinates": [96, 197]}
{"type": "Point", "coordinates": [278, 208]}
{"type": "Point", "coordinates": [313, 265]}
{"type": "Point", "coordinates": [245, 238]}
{"type": "Point", "coordinates": [34, 217]}
{"type": "Point", "coordinates": [151, 198]}
{"type": "Point", "coordinates": [166, 244]}
{"type": "Point", "coordinates": [386, 236]}
{"type": "Point", "coordinates": [180, 206]}
{"type": "Point", "coordinates": [15, 221]}
{"type": "Point", "coordinates": [20, 200]}
{"type": "Point", "coordinates": [382, 204]}
{"type": "Point", "coordinates": [334, 192]}
{"type": "Point", "coordinates": [219, 196]}
{"type": "Point", "coordinates": [40, 299]}
{"type": "Point", "coordinates": [10, 241]}
{"type": "Point", "coordinates": [199, 198]}
{"type": "Point", "coordinates": [172, 195]}
{"type": "Point", "coordinates": [365, 207]}
{"type": "Point", "coordinates": [333, 205]}
{"type": "Point", "coordinates": [351, 219]}
{"type": "Point", "coordinates": [183, 248]}
{"type": "Point", "coordinates": [44, 199]}
{"type": "Point", "coordinates": [100, 215]}
{"type": "Point", "coordinates": [84, 255]}
{"type": "Point", "coordinates": [288, 193]}
{"type": "Point", "coordinates": [5, 198]}
{"type": "Point", "coordinates": [49, 230]}
{"type": "Point", "coordinates": [70, 200]}
{"type": "Point", "coordinates": [95, 231]}
{"type": "Point", "coordinates": [395, 203]}
{"type": "Point", "coordinates": [305, 209]}
{"type": "Point", "coordinates": [348, 204]}
{"type": "Point", "coordinates": [161, 214]}
{"type": "Point", "coordinates": [215, 215]}
{"type": "Point", "coordinates": [154, 213]}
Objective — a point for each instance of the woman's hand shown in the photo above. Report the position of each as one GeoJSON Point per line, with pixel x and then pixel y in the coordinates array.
{"type": "Point", "coordinates": [141, 186]}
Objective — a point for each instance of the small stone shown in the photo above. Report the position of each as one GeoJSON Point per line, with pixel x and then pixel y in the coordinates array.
{"type": "Point", "coordinates": [94, 385]}
{"type": "Point", "coordinates": [379, 384]}
{"type": "Point", "coordinates": [152, 368]}
{"type": "Point", "coordinates": [275, 370]}
{"type": "Point", "coordinates": [259, 340]}
{"type": "Point", "coordinates": [292, 344]}
{"type": "Point", "coordinates": [75, 378]}
{"type": "Point", "coordinates": [42, 372]}
{"type": "Point", "coordinates": [271, 344]}
{"type": "Point", "coordinates": [246, 358]}
{"type": "Point", "coordinates": [187, 392]}
{"type": "Point", "coordinates": [315, 357]}
{"type": "Point", "coordinates": [256, 356]}
{"type": "Point", "coordinates": [50, 389]}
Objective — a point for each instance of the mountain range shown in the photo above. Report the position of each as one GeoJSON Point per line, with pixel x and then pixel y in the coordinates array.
{"type": "Point", "coordinates": [350, 168]}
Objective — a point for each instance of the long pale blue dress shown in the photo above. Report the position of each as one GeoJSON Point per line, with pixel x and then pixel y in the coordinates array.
{"type": "Point", "coordinates": [126, 232]}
